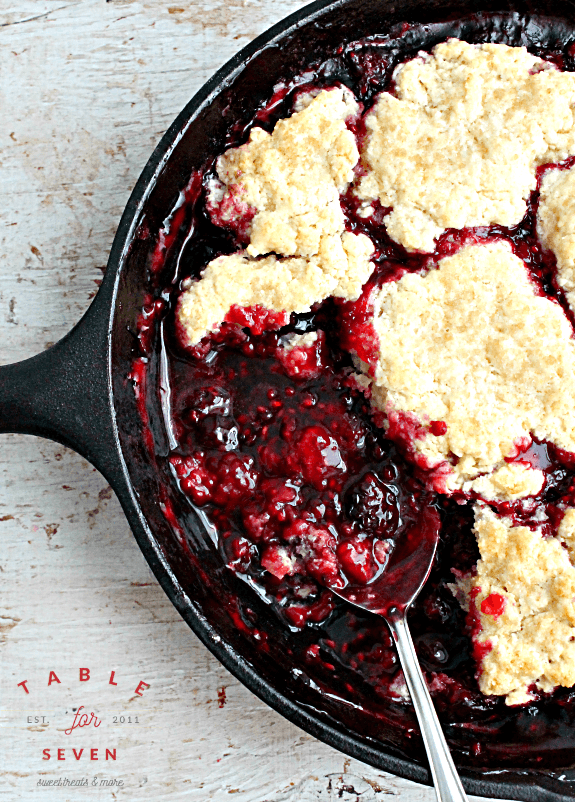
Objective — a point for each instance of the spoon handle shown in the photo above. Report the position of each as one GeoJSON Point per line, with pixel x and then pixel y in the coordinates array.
{"type": "Point", "coordinates": [448, 786]}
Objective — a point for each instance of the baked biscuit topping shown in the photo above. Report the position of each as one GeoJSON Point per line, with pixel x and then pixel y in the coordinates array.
{"type": "Point", "coordinates": [566, 532]}
{"type": "Point", "coordinates": [523, 598]}
{"type": "Point", "coordinates": [457, 346]}
{"type": "Point", "coordinates": [293, 177]}
{"type": "Point", "coordinates": [508, 483]}
{"type": "Point", "coordinates": [556, 225]}
{"type": "Point", "coordinates": [287, 186]}
{"type": "Point", "coordinates": [458, 143]}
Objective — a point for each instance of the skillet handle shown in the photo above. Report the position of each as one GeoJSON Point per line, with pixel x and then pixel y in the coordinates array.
{"type": "Point", "coordinates": [63, 393]}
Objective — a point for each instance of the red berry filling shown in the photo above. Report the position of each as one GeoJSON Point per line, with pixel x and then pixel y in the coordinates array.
{"type": "Point", "coordinates": [494, 605]}
{"type": "Point", "coordinates": [232, 212]}
{"type": "Point", "coordinates": [256, 318]}
{"type": "Point", "coordinates": [303, 361]}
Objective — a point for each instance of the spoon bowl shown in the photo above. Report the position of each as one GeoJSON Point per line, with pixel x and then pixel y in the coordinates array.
{"type": "Point", "coordinates": [392, 591]}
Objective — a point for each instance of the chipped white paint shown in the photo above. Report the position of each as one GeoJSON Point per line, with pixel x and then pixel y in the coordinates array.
{"type": "Point", "coordinates": [87, 89]}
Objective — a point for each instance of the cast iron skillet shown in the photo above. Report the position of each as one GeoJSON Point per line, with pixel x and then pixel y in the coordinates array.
{"type": "Point", "coordinates": [78, 393]}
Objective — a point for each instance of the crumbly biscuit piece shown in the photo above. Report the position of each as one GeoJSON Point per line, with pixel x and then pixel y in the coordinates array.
{"type": "Point", "coordinates": [508, 483]}
{"type": "Point", "coordinates": [457, 345]}
{"type": "Point", "coordinates": [556, 225]}
{"type": "Point", "coordinates": [459, 143]}
{"type": "Point", "coordinates": [293, 178]}
{"type": "Point", "coordinates": [293, 285]}
{"type": "Point", "coordinates": [523, 595]}
{"type": "Point", "coordinates": [300, 340]}
{"type": "Point", "coordinates": [566, 531]}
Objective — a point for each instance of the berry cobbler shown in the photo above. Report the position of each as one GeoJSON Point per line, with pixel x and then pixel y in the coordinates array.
{"type": "Point", "coordinates": [371, 318]}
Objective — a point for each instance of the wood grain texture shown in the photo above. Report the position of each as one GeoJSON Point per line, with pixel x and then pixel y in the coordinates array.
{"type": "Point", "coordinates": [88, 87]}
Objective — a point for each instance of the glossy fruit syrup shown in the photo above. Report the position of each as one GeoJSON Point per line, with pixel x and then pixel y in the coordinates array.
{"type": "Point", "coordinates": [280, 450]}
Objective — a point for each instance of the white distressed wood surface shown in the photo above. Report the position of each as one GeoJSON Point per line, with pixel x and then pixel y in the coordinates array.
{"type": "Point", "coordinates": [87, 88]}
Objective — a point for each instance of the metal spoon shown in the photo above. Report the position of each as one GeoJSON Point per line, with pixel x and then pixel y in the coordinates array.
{"type": "Point", "coordinates": [390, 596]}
